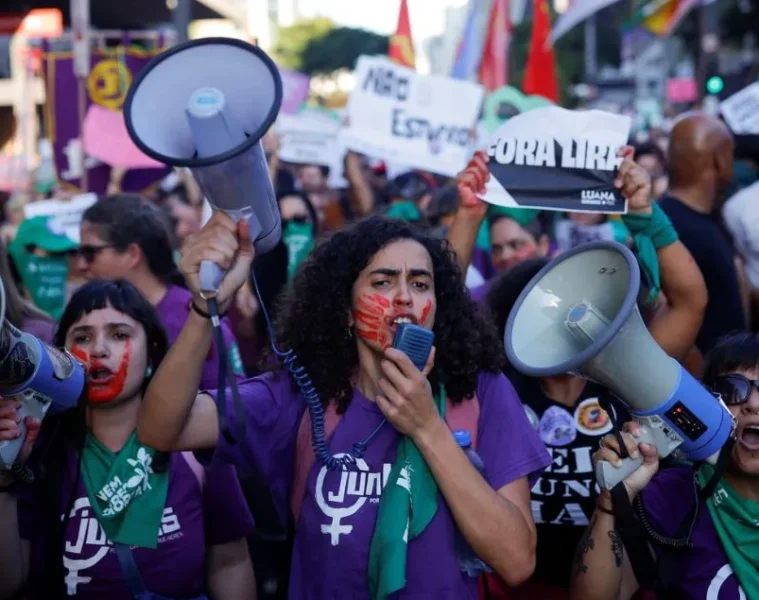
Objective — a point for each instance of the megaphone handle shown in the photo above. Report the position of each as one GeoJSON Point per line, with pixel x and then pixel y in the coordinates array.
{"type": "Point", "coordinates": [9, 450]}
{"type": "Point", "coordinates": [607, 475]}
{"type": "Point", "coordinates": [210, 274]}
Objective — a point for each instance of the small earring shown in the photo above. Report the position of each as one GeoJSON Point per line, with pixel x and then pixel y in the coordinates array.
{"type": "Point", "coordinates": [350, 333]}
{"type": "Point", "coordinates": [148, 372]}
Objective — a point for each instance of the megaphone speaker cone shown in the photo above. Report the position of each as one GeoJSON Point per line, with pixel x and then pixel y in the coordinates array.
{"type": "Point", "coordinates": [241, 73]}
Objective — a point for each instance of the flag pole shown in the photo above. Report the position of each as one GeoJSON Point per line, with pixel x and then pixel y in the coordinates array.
{"type": "Point", "coordinates": [80, 25]}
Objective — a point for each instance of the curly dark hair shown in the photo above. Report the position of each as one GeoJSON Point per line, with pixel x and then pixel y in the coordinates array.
{"type": "Point", "coordinates": [312, 315]}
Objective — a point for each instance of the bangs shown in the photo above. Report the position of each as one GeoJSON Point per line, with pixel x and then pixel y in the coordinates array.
{"type": "Point", "coordinates": [735, 352]}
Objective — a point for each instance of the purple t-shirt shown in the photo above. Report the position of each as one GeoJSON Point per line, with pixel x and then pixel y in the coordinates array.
{"type": "Point", "coordinates": [40, 328]}
{"type": "Point", "coordinates": [174, 309]}
{"type": "Point", "coordinates": [193, 519]}
{"type": "Point", "coordinates": [339, 511]}
{"type": "Point", "coordinates": [480, 293]}
{"type": "Point", "coordinates": [704, 572]}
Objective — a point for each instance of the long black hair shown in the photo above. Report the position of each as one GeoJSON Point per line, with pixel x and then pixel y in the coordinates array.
{"type": "Point", "coordinates": [126, 219]}
{"type": "Point", "coordinates": [64, 434]}
{"type": "Point", "coordinates": [734, 352]}
{"type": "Point", "coordinates": [312, 316]}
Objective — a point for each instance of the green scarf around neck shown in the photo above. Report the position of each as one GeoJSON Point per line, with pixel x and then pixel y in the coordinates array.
{"type": "Point", "coordinates": [125, 494]}
{"type": "Point", "coordinates": [736, 520]}
{"type": "Point", "coordinates": [409, 502]}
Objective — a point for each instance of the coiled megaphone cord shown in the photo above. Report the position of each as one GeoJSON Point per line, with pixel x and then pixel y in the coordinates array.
{"type": "Point", "coordinates": [313, 401]}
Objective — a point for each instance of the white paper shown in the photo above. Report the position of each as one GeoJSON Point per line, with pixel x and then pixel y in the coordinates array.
{"type": "Point", "coordinates": [741, 111]}
{"type": "Point", "coordinates": [65, 215]}
{"type": "Point", "coordinates": [555, 124]}
{"type": "Point", "coordinates": [424, 122]}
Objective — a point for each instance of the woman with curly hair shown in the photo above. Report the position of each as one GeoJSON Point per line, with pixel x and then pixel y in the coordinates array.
{"type": "Point", "coordinates": [339, 316]}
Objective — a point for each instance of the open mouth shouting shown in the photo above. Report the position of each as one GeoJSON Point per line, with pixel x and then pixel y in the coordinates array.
{"type": "Point", "coordinates": [749, 437]}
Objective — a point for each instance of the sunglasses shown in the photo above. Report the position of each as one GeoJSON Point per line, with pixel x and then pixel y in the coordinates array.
{"type": "Point", "coordinates": [300, 219]}
{"type": "Point", "coordinates": [89, 253]}
{"type": "Point", "coordinates": [734, 389]}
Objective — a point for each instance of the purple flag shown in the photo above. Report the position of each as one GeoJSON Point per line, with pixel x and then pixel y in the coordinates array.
{"type": "Point", "coordinates": [111, 73]}
{"type": "Point", "coordinates": [295, 87]}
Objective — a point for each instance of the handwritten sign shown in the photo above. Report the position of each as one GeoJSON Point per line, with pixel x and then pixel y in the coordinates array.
{"type": "Point", "coordinates": [424, 122]}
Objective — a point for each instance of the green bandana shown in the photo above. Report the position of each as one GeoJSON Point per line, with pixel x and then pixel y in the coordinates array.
{"type": "Point", "coordinates": [736, 520]}
{"type": "Point", "coordinates": [406, 211]}
{"type": "Point", "coordinates": [125, 494]}
{"type": "Point", "coordinates": [649, 233]}
{"type": "Point", "coordinates": [408, 504]}
{"type": "Point", "coordinates": [43, 277]}
{"type": "Point", "coordinates": [299, 239]}
{"type": "Point", "coordinates": [483, 237]}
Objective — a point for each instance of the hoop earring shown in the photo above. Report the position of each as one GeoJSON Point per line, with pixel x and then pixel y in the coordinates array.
{"type": "Point", "coordinates": [350, 333]}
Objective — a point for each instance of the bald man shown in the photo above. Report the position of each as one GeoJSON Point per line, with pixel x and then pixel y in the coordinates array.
{"type": "Point", "coordinates": [700, 170]}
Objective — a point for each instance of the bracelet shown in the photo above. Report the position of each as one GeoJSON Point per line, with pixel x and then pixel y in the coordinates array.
{"type": "Point", "coordinates": [203, 313]}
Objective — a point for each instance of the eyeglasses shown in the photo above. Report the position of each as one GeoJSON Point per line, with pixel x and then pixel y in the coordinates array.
{"type": "Point", "coordinates": [89, 253]}
{"type": "Point", "coordinates": [734, 389]}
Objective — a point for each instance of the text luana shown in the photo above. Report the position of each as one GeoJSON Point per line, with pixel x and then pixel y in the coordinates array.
{"type": "Point", "coordinates": [567, 153]}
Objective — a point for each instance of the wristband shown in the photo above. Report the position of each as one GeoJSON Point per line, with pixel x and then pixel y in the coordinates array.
{"type": "Point", "coordinates": [603, 509]}
{"type": "Point", "coordinates": [203, 313]}
{"type": "Point", "coordinates": [649, 233]}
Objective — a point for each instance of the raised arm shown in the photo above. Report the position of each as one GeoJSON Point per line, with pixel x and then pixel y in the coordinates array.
{"type": "Point", "coordinates": [173, 416]}
{"type": "Point", "coordinates": [462, 234]}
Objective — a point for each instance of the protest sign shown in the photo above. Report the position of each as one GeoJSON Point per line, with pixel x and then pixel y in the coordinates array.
{"type": "Point", "coordinates": [741, 111]}
{"type": "Point", "coordinates": [111, 74]}
{"type": "Point", "coordinates": [64, 216]}
{"type": "Point", "coordinates": [425, 122]}
{"type": "Point", "coordinates": [556, 159]}
{"type": "Point", "coordinates": [310, 137]}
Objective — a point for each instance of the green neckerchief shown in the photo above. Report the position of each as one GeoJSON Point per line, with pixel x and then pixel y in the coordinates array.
{"type": "Point", "coordinates": [125, 494]}
{"type": "Point", "coordinates": [736, 520]}
{"type": "Point", "coordinates": [649, 233]}
{"type": "Point", "coordinates": [406, 211]}
{"type": "Point", "coordinates": [299, 239]}
{"type": "Point", "coordinates": [44, 277]}
{"type": "Point", "coordinates": [408, 504]}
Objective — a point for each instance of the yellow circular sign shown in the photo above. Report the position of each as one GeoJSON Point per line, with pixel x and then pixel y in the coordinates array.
{"type": "Point", "coordinates": [108, 83]}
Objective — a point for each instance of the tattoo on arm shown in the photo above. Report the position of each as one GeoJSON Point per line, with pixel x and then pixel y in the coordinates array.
{"type": "Point", "coordinates": [587, 543]}
{"type": "Point", "coordinates": [616, 547]}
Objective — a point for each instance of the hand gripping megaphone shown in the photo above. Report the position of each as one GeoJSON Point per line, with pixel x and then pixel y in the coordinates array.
{"type": "Point", "coordinates": [44, 379]}
{"type": "Point", "coordinates": [205, 105]}
{"type": "Point", "coordinates": [579, 315]}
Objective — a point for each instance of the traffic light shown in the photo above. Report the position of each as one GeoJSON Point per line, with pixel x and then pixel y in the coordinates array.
{"type": "Point", "coordinates": [715, 84]}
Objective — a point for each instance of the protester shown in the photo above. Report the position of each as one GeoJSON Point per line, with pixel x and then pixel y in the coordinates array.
{"type": "Point", "coordinates": [650, 156]}
{"type": "Point", "coordinates": [184, 526]}
{"type": "Point", "coordinates": [700, 165]}
{"type": "Point", "coordinates": [721, 560]}
{"type": "Point", "coordinates": [126, 237]}
{"type": "Point", "coordinates": [567, 410]}
{"type": "Point", "coordinates": [373, 274]}
{"type": "Point", "coordinates": [41, 254]}
{"type": "Point", "coordinates": [21, 313]}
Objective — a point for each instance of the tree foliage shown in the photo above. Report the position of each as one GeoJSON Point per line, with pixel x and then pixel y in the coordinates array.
{"type": "Point", "coordinates": [316, 46]}
{"type": "Point", "coordinates": [293, 40]}
{"type": "Point", "coordinates": [340, 48]}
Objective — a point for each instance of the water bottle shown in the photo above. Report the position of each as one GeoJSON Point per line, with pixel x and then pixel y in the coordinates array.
{"type": "Point", "coordinates": [469, 562]}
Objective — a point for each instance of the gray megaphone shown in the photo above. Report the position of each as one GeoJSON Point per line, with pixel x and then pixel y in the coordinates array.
{"type": "Point", "coordinates": [44, 379]}
{"type": "Point", "coordinates": [205, 105]}
{"type": "Point", "coordinates": [579, 314]}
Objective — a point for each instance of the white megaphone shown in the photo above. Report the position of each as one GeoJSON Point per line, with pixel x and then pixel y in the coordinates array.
{"type": "Point", "coordinates": [579, 314]}
{"type": "Point", "coordinates": [205, 105]}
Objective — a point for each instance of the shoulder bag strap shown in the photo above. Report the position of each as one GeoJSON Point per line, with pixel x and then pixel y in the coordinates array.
{"type": "Point", "coordinates": [130, 570]}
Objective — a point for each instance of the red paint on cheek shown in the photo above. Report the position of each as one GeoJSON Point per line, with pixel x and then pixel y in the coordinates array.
{"type": "Point", "coordinates": [81, 355]}
{"type": "Point", "coordinates": [425, 312]}
{"type": "Point", "coordinates": [369, 316]}
{"type": "Point", "coordinates": [101, 394]}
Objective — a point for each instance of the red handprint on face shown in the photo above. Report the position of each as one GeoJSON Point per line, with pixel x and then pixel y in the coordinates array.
{"type": "Point", "coordinates": [370, 313]}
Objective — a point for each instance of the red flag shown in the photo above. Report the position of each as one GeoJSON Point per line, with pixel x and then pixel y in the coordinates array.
{"type": "Point", "coordinates": [540, 75]}
{"type": "Point", "coordinates": [495, 53]}
{"type": "Point", "coordinates": [401, 45]}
